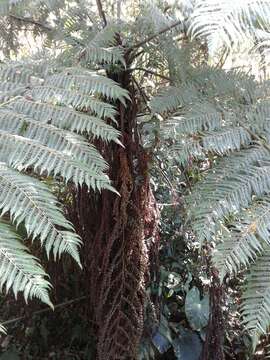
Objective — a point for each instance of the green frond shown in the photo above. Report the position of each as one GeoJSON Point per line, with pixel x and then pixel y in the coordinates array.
{"type": "Point", "coordinates": [218, 83]}
{"type": "Point", "coordinates": [225, 140]}
{"type": "Point", "coordinates": [73, 98]}
{"type": "Point", "coordinates": [258, 117]}
{"type": "Point", "coordinates": [98, 55]}
{"type": "Point", "coordinates": [49, 135]}
{"type": "Point", "coordinates": [7, 86]}
{"type": "Point", "coordinates": [67, 118]}
{"type": "Point", "coordinates": [170, 98]}
{"type": "Point", "coordinates": [221, 141]}
{"type": "Point", "coordinates": [7, 6]}
{"type": "Point", "coordinates": [22, 153]}
{"type": "Point", "coordinates": [29, 201]}
{"type": "Point", "coordinates": [229, 24]}
{"type": "Point", "coordinates": [9, 95]}
{"type": "Point", "coordinates": [88, 83]}
{"type": "Point", "coordinates": [107, 36]}
{"type": "Point", "coordinates": [245, 238]}
{"type": "Point", "coordinates": [255, 307]}
{"type": "Point", "coordinates": [227, 188]}
{"type": "Point", "coordinates": [201, 117]}
{"type": "Point", "coordinates": [19, 270]}
{"type": "Point", "coordinates": [15, 74]}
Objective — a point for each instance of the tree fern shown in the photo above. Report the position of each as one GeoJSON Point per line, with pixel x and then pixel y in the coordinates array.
{"type": "Point", "coordinates": [229, 207]}
{"type": "Point", "coordinates": [101, 48]}
{"type": "Point", "coordinates": [53, 137]}
{"type": "Point", "coordinates": [38, 135]}
{"type": "Point", "coordinates": [73, 98]}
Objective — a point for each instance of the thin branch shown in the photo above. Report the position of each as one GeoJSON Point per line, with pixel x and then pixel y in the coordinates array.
{"type": "Point", "coordinates": [143, 95]}
{"type": "Point", "coordinates": [143, 42]}
{"type": "Point", "coordinates": [32, 22]}
{"type": "Point", "coordinates": [101, 13]}
{"type": "Point", "coordinates": [66, 303]}
{"type": "Point", "coordinates": [135, 55]}
{"type": "Point", "coordinates": [44, 27]}
{"type": "Point", "coordinates": [255, 136]}
{"type": "Point", "coordinates": [152, 73]}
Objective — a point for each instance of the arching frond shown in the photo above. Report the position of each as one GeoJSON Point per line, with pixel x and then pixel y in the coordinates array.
{"type": "Point", "coordinates": [227, 188]}
{"type": "Point", "coordinates": [21, 153]}
{"type": "Point", "coordinates": [255, 308]}
{"type": "Point", "coordinates": [201, 117]}
{"type": "Point", "coordinates": [7, 6]}
{"type": "Point", "coordinates": [52, 137]}
{"type": "Point", "coordinates": [29, 201]}
{"type": "Point", "coordinates": [169, 99]}
{"type": "Point", "coordinates": [19, 270]}
{"type": "Point", "coordinates": [7, 86]}
{"type": "Point", "coordinates": [110, 55]}
{"type": "Point", "coordinates": [245, 239]}
{"type": "Point", "coordinates": [219, 141]}
{"type": "Point", "coordinates": [228, 23]}
{"type": "Point", "coordinates": [88, 83]}
{"type": "Point", "coordinates": [16, 74]}
{"type": "Point", "coordinates": [66, 118]}
{"type": "Point", "coordinates": [76, 99]}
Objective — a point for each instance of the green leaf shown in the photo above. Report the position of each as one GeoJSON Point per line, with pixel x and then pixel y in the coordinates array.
{"type": "Point", "coordinates": [196, 309]}
{"type": "Point", "coordinates": [187, 346]}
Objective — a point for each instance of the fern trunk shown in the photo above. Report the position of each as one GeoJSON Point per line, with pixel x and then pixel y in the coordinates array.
{"type": "Point", "coordinates": [213, 347]}
{"type": "Point", "coordinates": [113, 228]}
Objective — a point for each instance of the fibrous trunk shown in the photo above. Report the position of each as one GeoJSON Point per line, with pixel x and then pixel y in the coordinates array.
{"type": "Point", "coordinates": [113, 228]}
{"type": "Point", "coordinates": [213, 348]}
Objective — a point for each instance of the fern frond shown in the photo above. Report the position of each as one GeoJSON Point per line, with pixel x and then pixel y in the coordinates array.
{"type": "Point", "coordinates": [255, 307]}
{"type": "Point", "coordinates": [88, 83]}
{"type": "Point", "coordinates": [245, 239]}
{"type": "Point", "coordinates": [73, 98]}
{"type": "Point", "coordinates": [226, 23]}
{"type": "Point", "coordinates": [98, 55]}
{"type": "Point", "coordinates": [9, 95]}
{"type": "Point", "coordinates": [234, 84]}
{"type": "Point", "coordinates": [201, 117]}
{"type": "Point", "coordinates": [7, 6]}
{"type": "Point", "coordinates": [6, 86]}
{"type": "Point", "coordinates": [51, 136]}
{"type": "Point", "coordinates": [19, 270]}
{"type": "Point", "coordinates": [226, 188]}
{"type": "Point", "coordinates": [169, 99]}
{"type": "Point", "coordinates": [29, 201]}
{"type": "Point", "coordinates": [106, 37]}
{"type": "Point", "coordinates": [67, 118]}
{"type": "Point", "coordinates": [22, 153]}
{"type": "Point", "coordinates": [15, 74]}
{"type": "Point", "coordinates": [258, 117]}
{"type": "Point", "coordinates": [221, 141]}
